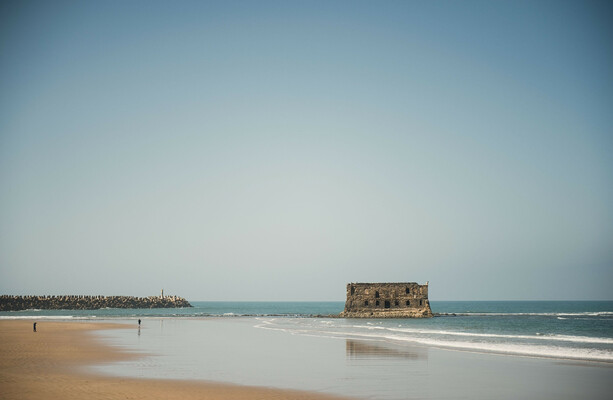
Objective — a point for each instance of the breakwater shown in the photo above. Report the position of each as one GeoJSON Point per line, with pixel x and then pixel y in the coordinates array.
{"type": "Point", "coordinates": [17, 303]}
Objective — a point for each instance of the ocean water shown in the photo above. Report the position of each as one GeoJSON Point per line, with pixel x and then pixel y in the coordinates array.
{"type": "Point", "coordinates": [199, 309]}
{"type": "Point", "coordinates": [578, 330]}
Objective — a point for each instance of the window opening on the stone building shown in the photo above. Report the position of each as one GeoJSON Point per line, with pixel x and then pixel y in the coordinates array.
{"type": "Point", "coordinates": [407, 291]}
{"type": "Point", "coordinates": [387, 304]}
{"type": "Point", "coordinates": [421, 302]}
{"type": "Point", "coordinates": [377, 303]}
{"type": "Point", "coordinates": [408, 303]}
{"type": "Point", "coordinates": [365, 302]}
{"type": "Point", "coordinates": [377, 294]}
{"type": "Point", "coordinates": [396, 303]}
{"type": "Point", "coordinates": [352, 289]}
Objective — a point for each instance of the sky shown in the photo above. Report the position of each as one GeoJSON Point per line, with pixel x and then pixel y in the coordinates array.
{"type": "Point", "coordinates": [278, 150]}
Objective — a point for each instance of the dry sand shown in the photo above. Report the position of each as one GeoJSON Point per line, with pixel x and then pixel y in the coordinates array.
{"type": "Point", "coordinates": [50, 364]}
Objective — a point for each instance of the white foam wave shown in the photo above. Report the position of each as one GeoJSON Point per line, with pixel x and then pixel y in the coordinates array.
{"type": "Point", "coordinates": [39, 317]}
{"type": "Point", "coordinates": [555, 314]}
{"type": "Point", "coordinates": [469, 341]}
{"type": "Point", "coordinates": [564, 338]}
{"type": "Point", "coordinates": [515, 349]}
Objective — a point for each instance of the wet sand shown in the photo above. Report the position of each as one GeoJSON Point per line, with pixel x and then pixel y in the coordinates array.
{"type": "Point", "coordinates": [246, 351]}
{"type": "Point", "coordinates": [52, 364]}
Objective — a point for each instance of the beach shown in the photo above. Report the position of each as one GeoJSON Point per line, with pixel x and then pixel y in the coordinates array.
{"type": "Point", "coordinates": [52, 364]}
{"type": "Point", "coordinates": [477, 351]}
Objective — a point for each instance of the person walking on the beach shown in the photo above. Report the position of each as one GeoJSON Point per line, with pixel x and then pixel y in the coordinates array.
{"type": "Point", "coordinates": [139, 323]}
{"type": "Point", "coordinates": [34, 327]}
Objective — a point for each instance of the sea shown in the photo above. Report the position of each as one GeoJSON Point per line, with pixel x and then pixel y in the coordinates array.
{"type": "Point", "coordinates": [579, 330]}
{"type": "Point", "coordinates": [470, 349]}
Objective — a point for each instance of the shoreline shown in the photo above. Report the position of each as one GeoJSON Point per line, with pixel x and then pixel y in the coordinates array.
{"type": "Point", "coordinates": [107, 323]}
{"type": "Point", "coordinates": [231, 358]}
{"type": "Point", "coordinates": [53, 364]}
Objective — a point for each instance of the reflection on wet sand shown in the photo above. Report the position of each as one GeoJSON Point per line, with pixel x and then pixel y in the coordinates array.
{"type": "Point", "coordinates": [360, 349]}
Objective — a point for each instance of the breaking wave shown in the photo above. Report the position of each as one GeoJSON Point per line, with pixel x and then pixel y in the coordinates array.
{"type": "Point", "coordinates": [572, 347]}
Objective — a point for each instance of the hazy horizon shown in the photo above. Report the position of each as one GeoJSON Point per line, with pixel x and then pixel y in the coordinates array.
{"type": "Point", "coordinates": [271, 150]}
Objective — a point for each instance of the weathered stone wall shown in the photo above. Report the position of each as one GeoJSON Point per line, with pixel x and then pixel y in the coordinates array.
{"type": "Point", "coordinates": [16, 303]}
{"type": "Point", "coordinates": [387, 300]}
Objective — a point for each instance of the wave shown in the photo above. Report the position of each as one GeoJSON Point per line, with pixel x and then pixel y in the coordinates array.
{"type": "Point", "coordinates": [511, 314]}
{"type": "Point", "coordinates": [45, 317]}
{"type": "Point", "coordinates": [445, 339]}
{"type": "Point", "coordinates": [155, 315]}
{"type": "Point", "coordinates": [564, 338]}
{"type": "Point", "coordinates": [516, 349]}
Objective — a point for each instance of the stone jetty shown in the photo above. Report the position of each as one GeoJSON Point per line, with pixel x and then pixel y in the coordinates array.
{"type": "Point", "coordinates": [16, 303]}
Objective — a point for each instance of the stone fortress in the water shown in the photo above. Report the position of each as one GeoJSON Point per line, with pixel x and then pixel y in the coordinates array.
{"type": "Point", "coordinates": [387, 300]}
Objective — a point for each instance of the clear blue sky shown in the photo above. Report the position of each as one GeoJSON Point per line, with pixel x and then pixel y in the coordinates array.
{"type": "Point", "coordinates": [278, 150]}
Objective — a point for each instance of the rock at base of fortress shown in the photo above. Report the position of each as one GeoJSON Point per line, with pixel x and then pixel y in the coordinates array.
{"type": "Point", "coordinates": [387, 300]}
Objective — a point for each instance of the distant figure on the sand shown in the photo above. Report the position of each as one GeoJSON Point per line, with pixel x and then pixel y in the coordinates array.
{"type": "Point", "coordinates": [139, 323]}
{"type": "Point", "coordinates": [34, 327]}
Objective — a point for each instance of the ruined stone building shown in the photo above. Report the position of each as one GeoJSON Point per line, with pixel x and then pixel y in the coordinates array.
{"type": "Point", "coordinates": [387, 300]}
